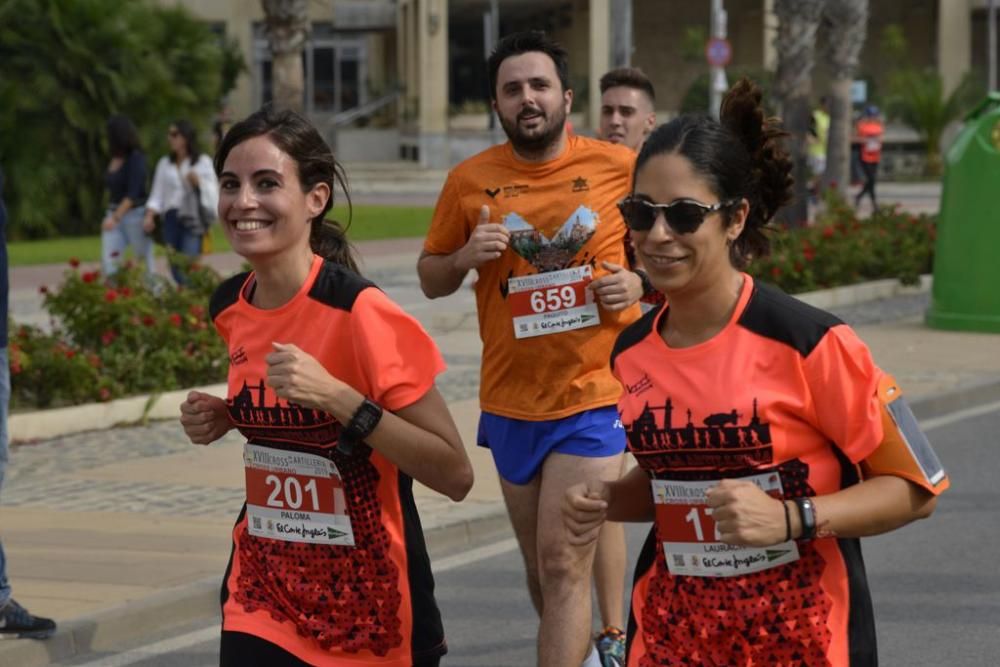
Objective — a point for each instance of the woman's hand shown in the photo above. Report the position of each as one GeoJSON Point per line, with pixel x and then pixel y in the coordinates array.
{"type": "Point", "coordinates": [193, 178]}
{"type": "Point", "coordinates": [205, 418]}
{"type": "Point", "coordinates": [149, 222]}
{"type": "Point", "coordinates": [745, 515]}
{"type": "Point", "coordinates": [298, 377]}
{"type": "Point", "coordinates": [109, 223]}
{"type": "Point", "coordinates": [585, 507]}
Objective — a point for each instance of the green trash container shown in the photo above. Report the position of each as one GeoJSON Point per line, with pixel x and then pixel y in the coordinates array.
{"type": "Point", "coordinates": [966, 291]}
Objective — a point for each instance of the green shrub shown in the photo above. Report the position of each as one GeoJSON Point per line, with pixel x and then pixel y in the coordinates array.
{"type": "Point", "coordinates": [67, 66]}
{"type": "Point", "coordinates": [840, 249]}
{"type": "Point", "coordinates": [120, 337]}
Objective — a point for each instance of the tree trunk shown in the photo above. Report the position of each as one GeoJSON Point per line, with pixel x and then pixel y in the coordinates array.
{"type": "Point", "coordinates": [286, 26]}
{"type": "Point", "coordinates": [798, 20]}
{"type": "Point", "coordinates": [847, 23]}
{"type": "Point", "coordinates": [838, 147]}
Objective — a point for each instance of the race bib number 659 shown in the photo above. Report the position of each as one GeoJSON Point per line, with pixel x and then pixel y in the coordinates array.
{"type": "Point", "coordinates": [552, 302]}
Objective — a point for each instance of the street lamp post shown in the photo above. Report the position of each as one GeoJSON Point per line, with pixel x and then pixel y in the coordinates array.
{"type": "Point", "coordinates": [991, 14]}
{"type": "Point", "coordinates": [717, 78]}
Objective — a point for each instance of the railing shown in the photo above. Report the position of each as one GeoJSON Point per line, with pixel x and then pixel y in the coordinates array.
{"type": "Point", "coordinates": [365, 110]}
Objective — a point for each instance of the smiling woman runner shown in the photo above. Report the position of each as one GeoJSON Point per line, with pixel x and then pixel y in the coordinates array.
{"type": "Point", "coordinates": [767, 439]}
{"type": "Point", "coordinates": [333, 386]}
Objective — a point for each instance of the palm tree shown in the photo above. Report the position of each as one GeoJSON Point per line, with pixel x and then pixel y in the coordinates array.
{"type": "Point", "coordinates": [846, 23]}
{"type": "Point", "coordinates": [286, 26]}
{"type": "Point", "coordinates": [918, 99]}
{"type": "Point", "coordinates": [798, 21]}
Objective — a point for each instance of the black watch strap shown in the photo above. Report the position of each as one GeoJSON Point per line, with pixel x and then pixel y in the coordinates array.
{"type": "Point", "coordinates": [364, 421]}
{"type": "Point", "coordinates": [807, 515]}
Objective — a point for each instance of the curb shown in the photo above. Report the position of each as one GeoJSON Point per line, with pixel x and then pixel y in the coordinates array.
{"type": "Point", "coordinates": [45, 424]}
{"type": "Point", "coordinates": [849, 295]}
{"type": "Point", "coordinates": [199, 600]}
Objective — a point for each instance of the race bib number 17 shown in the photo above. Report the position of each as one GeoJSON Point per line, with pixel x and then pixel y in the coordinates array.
{"type": "Point", "coordinates": [690, 539]}
{"type": "Point", "coordinates": [295, 497]}
{"type": "Point", "coordinates": [553, 302]}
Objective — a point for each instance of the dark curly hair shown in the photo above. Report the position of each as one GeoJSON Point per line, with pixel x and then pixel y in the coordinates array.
{"type": "Point", "coordinates": [740, 155]}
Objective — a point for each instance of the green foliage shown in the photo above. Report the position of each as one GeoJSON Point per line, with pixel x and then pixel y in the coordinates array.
{"type": "Point", "coordinates": [125, 336]}
{"type": "Point", "coordinates": [693, 43]}
{"type": "Point", "coordinates": [917, 98]}
{"type": "Point", "coordinates": [696, 98]}
{"type": "Point", "coordinates": [68, 65]}
{"type": "Point", "coordinates": [841, 249]}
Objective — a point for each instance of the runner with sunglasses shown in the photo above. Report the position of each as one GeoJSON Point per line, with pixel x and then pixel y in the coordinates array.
{"type": "Point", "coordinates": [768, 441]}
{"type": "Point", "coordinates": [536, 218]}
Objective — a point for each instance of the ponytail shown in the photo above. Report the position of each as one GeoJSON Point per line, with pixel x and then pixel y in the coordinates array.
{"type": "Point", "coordinates": [769, 181]}
{"type": "Point", "coordinates": [329, 240]}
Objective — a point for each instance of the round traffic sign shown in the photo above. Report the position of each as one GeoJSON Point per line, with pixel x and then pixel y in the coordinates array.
{"type": "Point", "coordinates": [718, 52]}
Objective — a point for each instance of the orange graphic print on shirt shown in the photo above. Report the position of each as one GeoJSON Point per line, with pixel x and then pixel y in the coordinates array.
{"type": "Point", "coordinates": [360, 601]}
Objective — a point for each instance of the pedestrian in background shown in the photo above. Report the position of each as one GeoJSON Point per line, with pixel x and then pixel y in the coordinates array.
{"type": "Point", "coordinates": [818, 138]}
{"type": "Point", "coordinates": [15, 621]}
{"type": "Point", "coordinates": [185, 194]}
{"type": "Point", "coordinates": [124, 224]}
{"type": "Point", "coordinates": [333, 386]}
{"type": "Point", "coordinates": [768, 441]}
{"type": "Point", "coordinates": [869, 133]}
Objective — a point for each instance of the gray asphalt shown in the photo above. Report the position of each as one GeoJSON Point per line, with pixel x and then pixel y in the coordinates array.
{"type": "Point", "coordinates": [935, 584]}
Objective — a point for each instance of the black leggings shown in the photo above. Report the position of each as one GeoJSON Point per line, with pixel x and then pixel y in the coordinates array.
{"type": "Point", "coordinates": [870, 170]}
{"type": "Point", "coordinates": [239, 649]}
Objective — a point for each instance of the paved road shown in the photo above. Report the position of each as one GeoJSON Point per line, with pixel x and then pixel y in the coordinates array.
{"type": "Point", "coordinates": [935, 584]}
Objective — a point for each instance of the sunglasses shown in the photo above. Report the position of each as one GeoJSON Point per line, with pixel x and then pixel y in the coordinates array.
{"type": "Point", "coordinates": [684, 216]}
{"type": "Point", "coordinates": [173, 133]}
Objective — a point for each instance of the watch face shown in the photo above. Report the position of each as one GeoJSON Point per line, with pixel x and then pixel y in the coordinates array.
{"type": "Point", "coordinates": [365, 419]}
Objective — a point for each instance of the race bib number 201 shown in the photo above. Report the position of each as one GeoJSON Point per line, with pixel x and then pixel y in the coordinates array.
{"type": "Point", "coordinates": [552, 302]}
{"type": "Point", "coordinates": [295, 497]}
{"type": "Point", "coordinates": [690, 539]}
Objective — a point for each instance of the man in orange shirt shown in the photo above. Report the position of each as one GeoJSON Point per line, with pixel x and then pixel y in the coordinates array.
{"type": "Point", "coordinates": [536, 217]}
{"type": "Point", "coordinates": [869, 131]}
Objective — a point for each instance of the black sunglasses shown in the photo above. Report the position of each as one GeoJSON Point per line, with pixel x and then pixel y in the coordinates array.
{"type": "Point", "coordinates": [683, 215]}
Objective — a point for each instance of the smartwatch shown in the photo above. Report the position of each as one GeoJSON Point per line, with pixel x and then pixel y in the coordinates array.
{"type": "Point", "coordinates": [364, 421]}
{"type": "Point", "coordinates": [807, 514]}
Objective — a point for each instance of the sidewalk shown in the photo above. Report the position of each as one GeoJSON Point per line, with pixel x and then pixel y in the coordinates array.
{"type": "Point", "coordinates": [119, 532]}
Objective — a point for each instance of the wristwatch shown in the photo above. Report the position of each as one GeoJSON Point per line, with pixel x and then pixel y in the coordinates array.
{"type": "Point", "coordinates": [364, 421]}
{"type": "Point", "coordinates": [807, 514]}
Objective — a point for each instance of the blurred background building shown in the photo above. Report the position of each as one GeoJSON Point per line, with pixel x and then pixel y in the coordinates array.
{"type": "Point", "coordinates": [406, 79]}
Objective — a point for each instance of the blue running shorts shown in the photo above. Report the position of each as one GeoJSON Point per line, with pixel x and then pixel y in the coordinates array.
{"type": "Point", "coordinates": [519, 446]}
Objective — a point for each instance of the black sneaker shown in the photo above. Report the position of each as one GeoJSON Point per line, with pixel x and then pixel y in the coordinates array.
{"type": "Point", "coordinates": [17, 623]}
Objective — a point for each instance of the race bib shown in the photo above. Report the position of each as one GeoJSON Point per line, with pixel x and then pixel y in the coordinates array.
{"type": "Point", "coordinates": [690, 538]}
{"type": "Point", "coordinates": [548, 303]}
{"type": "Point", "coordinates": [295, 497]}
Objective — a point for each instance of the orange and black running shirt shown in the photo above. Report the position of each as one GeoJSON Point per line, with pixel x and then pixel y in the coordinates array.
{"type": "Point", "coordinates": [563, 218]}
{"type": "Point", "coordinates": [788, 396]}
{"type": "Point", "coordinates": [328, 559]}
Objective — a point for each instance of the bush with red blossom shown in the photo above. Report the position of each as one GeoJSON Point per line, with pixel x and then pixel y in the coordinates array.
{"type": "Point", "coordinates": [841, 249]}
{"type": "Point", "coordinates": [112, 338]}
